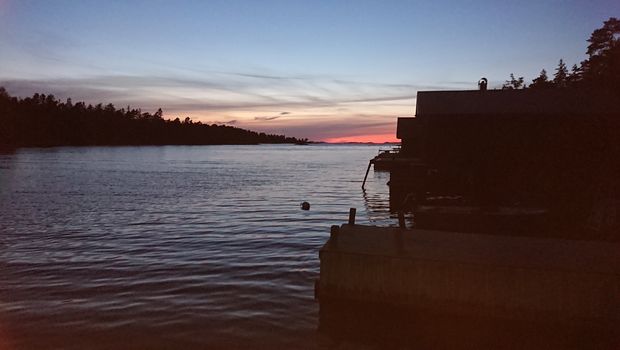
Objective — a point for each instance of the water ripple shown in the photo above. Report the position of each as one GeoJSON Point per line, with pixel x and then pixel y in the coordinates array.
{"type": "Point", "coordinates": [194, 246]}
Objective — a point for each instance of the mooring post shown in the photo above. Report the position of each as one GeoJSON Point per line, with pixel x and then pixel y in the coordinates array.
{"type": "Point", "coordinates": [365, 176]}
{"type": "Point", "coordinates": [401, 220]}
{"type": "Point", "coordinates": [399, 235]}
{"type": "Point", "coordinates": [352, 216]}
{"type": "Point", "coordinates": [333, 235]}
{"type": "Point", "coordinates": [317, 283]}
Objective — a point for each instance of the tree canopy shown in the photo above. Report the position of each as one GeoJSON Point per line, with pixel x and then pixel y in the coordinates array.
{"type": "Point", "coordinates": [560, 78]}
{"type": "Point", "coordinates": [514, 83]}
{"type": "Point", "coordinates": [542, 81]}
{"type": "Point", "coordinates": [601, 70]}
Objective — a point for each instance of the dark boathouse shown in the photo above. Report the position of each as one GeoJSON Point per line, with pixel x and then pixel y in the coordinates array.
{"type": "Point", "coordinates": [557, 149]}
{"type": "Point", "coordinates": [513, 200]}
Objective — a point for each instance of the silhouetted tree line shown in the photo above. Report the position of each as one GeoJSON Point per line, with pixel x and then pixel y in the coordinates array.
{"type": "Point", "coordinates": [600, 70]}
{"type": "Point", "coordinates": [44, 121]}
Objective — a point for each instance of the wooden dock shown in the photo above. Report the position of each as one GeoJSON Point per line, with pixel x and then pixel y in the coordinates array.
{"type": "Point", "coordinates": [488, 275]}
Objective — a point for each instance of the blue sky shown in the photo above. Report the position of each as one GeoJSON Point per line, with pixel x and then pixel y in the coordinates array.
{"type": "Point", "coordinates": [316, 69]}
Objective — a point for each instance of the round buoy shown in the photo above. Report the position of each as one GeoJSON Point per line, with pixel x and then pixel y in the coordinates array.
{"type": "Point", "coordinates": [305, 206]}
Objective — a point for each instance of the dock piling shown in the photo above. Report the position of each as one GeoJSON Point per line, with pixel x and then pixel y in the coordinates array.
{"type": "Point", "coordinates": [333, 234]}
{"type": "Point", "coordinates": [352, 216]}
{"type": "Point", "coordinates": [401, 220]}
{"type": "Point", "coordinates": [366, 176]}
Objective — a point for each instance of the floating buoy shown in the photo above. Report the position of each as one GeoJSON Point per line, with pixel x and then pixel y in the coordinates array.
{"type": "Point", "coordinates": [305, 206]}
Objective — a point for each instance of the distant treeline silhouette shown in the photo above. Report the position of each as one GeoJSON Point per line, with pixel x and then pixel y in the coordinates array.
{"type": "Point", "coordinates": [601, 70]}
{"type": "Point", "coordinates": [44, 121]}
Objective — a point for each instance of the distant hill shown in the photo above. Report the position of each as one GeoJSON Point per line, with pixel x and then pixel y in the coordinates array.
{"type": "Point", "coordinates": [44, 121]}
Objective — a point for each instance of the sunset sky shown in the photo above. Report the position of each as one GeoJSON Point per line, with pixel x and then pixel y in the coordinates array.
{"type": "Point", "coordinates": [325, 70]}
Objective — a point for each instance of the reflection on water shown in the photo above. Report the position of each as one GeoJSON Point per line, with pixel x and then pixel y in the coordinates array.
{"type": "Point", "coordinates": [173, 247]}
{"type": "Point", "coordinates": [375, 201]}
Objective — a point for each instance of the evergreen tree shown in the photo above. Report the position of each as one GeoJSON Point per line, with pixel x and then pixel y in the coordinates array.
{"type": "Point", "coordinates": [514, 83]}
{"type": "Point", "coordinates": [542, 81]}
{"type": "Point", "coordinates": [603, 64]}
{"type": "Point", "coordinates": [561, 74]}
{"type": "Point", "coordinates": [574, 76]}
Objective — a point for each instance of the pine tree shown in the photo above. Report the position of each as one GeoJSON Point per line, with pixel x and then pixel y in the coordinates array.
{"type": "Point", "coordinates": [603, 65]}
{"type": "Point", "coordinates": [561, 74]}
{"type": "Point", "coordinates": [542, 81]}
{"type": "Point", "coordinates": [514, 83]}
{"type": "Point", "coordinates": [574, 76]}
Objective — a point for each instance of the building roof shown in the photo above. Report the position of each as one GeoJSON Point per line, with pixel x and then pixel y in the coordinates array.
{"type": "Point", "coordinates": [510, 102]}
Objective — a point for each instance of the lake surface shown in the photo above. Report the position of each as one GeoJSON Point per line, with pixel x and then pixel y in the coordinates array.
{"type": "Point", "coordinates": [173, 247]}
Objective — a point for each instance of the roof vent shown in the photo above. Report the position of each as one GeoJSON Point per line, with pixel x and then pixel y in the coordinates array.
{"type": "Point", "coordinates": [482, 84]}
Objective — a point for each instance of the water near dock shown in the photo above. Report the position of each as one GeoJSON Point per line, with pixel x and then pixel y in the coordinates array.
{"type": "Point", "coordinates": [173, 247]}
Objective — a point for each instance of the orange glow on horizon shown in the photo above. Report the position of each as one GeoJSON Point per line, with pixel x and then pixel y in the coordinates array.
{"type": "Point", "coordinates": [375, 138]}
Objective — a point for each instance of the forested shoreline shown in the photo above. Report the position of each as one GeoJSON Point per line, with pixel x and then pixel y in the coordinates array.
{"type": "Point", "coordinates": [44, 121]}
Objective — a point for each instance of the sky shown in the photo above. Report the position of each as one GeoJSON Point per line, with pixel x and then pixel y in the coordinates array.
{"type": "Point", "coordinates": [324, 70]}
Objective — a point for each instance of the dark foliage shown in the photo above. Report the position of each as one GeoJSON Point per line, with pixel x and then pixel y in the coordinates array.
{"type": "Point", "coordinates": [514, 83]}
{"type": "Point", "coordinates": [542, 81]}
{"type": "Point", "coordinates": [560, 78]}
{"type": "Point", "coordinates": [600, 71]}
{"type": "Point", "coordinates": [44, 121]}
{"type": "Point", "coordinates": [603, 64]}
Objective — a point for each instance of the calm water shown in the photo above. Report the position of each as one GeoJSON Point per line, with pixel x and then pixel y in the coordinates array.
{"type": "Point", "coordinates": [173, 247]}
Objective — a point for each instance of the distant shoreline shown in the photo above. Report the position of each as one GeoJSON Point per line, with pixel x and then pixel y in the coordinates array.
{"type": "Point", "coordinates": [5, 148]}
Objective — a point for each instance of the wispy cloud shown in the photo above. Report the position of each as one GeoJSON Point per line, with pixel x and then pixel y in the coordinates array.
{"type": "Point", "coordinates": [316, 107]}
{"type": "Point", "coordinates": [191, 94]}
{"type": "Point", "coordinates": [267, 118]}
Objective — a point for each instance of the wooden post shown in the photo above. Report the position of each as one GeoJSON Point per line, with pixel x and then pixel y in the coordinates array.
{"type": "Point", "coordinates": [333, 235]}
{"type": "Point", "coordinates": [399, 236]}
{"type": "Point", "coordinates": [401, 220]}
{"type": "Point", "coordinates": [352, 216]}
{"type": "Point", "coordinates": [317, 283]}
{"type": "Point", "coordinates": [365, 176]}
